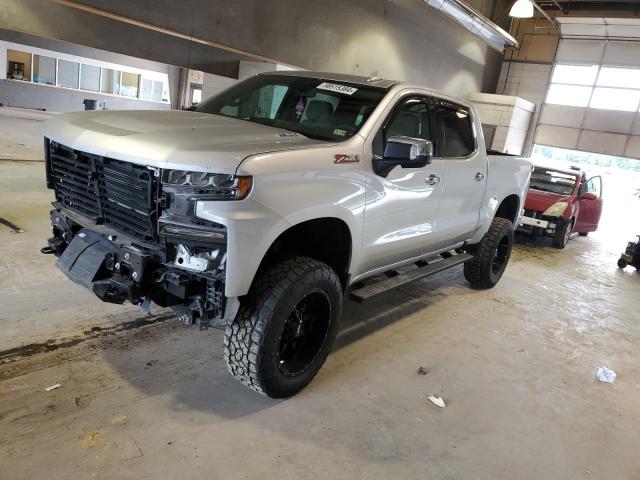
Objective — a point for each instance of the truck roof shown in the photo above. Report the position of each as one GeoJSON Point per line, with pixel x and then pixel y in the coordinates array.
{"type": "Point", "coordinates": [340, 77]}
{"type": "Point", "coordinates": [373, 81]}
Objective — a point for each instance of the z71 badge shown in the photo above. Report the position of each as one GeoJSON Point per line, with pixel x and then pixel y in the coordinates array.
{"type": "Point", "coordinates": [343, 158]}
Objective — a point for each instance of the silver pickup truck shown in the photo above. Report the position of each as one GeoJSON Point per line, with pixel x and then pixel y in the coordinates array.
{"type": "Point", "coordinates": [261, 210]}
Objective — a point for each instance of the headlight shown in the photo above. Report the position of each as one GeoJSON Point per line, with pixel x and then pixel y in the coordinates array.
{"type": "Point", "coordinates": [209, 186]}
{"type": "Point", "coordinates": [556, 210]}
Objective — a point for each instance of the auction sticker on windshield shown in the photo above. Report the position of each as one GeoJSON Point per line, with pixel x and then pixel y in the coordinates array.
{"type": "Point", "coordinates": [334, 87]}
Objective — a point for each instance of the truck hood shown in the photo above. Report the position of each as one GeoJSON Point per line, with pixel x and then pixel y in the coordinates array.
{"type": "Point", "coordinates": [539, 201]}
{"type": "Point", "coordinates": [172, 138]}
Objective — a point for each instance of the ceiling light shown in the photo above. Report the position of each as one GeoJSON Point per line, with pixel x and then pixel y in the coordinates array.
{"type": "Point", "coordinates": [522, 9]}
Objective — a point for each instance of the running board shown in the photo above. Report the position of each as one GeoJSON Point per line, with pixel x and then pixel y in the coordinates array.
{"type": "Point", "coordinates": [364, 293]}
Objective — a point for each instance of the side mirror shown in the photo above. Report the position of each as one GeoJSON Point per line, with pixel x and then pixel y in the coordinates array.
{"type": "Point", "coordinates": [589, 196]}
{"type": "Point", "coordinates": [407, 152]}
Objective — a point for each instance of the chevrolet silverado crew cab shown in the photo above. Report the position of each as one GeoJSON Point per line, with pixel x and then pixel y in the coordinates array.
{"type": "Point", "coordinates": [262, 209]}
{"type": "Point", "coordinates": [562, 201]}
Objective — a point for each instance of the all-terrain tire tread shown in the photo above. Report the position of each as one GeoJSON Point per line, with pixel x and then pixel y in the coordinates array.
{"type": "Point", "coordinates": [476, 270]}
{"type": "Point", "coordinates": [244, 336]}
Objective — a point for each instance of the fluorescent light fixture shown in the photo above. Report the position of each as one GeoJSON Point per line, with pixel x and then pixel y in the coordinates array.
{"type": "Point", "coordinates": [522, 9]}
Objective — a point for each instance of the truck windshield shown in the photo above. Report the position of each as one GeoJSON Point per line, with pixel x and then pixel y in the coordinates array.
{"type": "Point", "coordinates": [553, 181]}
{"type": "Point", "coordinates": [315, 108]}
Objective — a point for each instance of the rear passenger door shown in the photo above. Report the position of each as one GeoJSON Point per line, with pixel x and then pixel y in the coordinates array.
{"type": "Point", "coordinates": [464, 172]}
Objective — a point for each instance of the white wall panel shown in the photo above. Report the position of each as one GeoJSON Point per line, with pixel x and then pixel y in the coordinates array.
{"type": "Point", "coordinates": [562, 137]}
{"type": "Point", "coordinates": [633, 148]}
{"type": "Point", "coordinates": [562, 115]}
{"type": "Point", "coordinates": [609, 121]}
{"type": "Point", "coordinates": [600, 142]}
{"type": "Point", "coordinates": [622, 53]}
{"type": "Point", "coordinates": [636, 126]}
{"type": "Point", "coordinates": [583, 51]}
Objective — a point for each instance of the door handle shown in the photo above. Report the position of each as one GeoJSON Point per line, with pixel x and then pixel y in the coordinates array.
{"type": "Point", "coordinates": [479, 177]}
{"type": "Point", "coordinates": [432, 179]}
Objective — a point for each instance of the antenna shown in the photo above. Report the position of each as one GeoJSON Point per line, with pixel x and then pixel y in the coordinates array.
{"type": "Point", "coordinates": [374, 77]}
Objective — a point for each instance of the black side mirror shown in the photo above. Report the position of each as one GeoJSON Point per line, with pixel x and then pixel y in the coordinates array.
{"type": "Point", "coordinates": [407, 152]}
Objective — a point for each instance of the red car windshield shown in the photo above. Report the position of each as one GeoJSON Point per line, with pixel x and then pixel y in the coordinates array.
{"type": "Point", "coordinates": [553, 181]}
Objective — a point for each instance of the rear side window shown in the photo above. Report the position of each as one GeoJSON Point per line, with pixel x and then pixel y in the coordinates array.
{"type": "Point", "coordinates": [455, 131]}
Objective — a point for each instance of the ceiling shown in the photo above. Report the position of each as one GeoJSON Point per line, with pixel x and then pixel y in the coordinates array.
{"type": "Point", "coordinates": [570, 6]}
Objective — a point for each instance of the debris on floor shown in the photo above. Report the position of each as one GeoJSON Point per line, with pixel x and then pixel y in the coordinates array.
{"type": "Point", "coordinates": [422, 371]}
{"type": "Point", "coordinates": [438, 401]}
{"type": "Point", "coordinates": [53, 387]}
{"type": "Point", "coordinates": [606, 375]}
{"type": "Point", "coordinates": [91, 439]}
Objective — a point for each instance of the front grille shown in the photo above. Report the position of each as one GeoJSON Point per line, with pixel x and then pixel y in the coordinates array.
{"type": "Point", "coordinates": [531, 213]}
{"type": "Point", "coordinates": [119, 194]}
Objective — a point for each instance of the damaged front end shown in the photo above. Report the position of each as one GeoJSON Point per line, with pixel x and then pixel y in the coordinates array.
{"type": "Point", "coordinates": [129, 233]}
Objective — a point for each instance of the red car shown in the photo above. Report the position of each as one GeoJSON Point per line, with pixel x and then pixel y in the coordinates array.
{"type": "Point", "coordinates": [561, 202]}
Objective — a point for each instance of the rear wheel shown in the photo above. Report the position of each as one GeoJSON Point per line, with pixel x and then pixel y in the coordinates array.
{"type": "Point", "coordinates": [562, 235]}
{"type": "Point", "coordinates": [284, 330]}
{"type": "Point", "coordinates": [584, 234]}
{"type": "Point", "coordinates": [491, 255]}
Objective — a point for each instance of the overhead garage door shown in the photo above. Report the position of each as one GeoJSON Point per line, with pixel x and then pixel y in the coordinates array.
{"type": "Point", "coordinates": [593, 100]}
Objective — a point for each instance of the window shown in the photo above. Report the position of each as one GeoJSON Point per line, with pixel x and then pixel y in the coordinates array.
{"type": "Point", "coordinates": [130, 84]}
{"type": "Point", "coordinates": [569, 95]}
{"type": "Point", "coordinates": [90, 78]}
{"type": "Point", "coordinates": [68, 74]}
{"type": "Point", "coordinates": [616, 99]}
{"type": "Point", "coordinates": [146, 89]}
{"type": "Point", "coordinates": [619, 77]}
{"type": "Point", "coordinates": [547, 180]}
{"type": "Point", "coordinates": [575, 74]}
{"type": "Point", "coordinates": [315, 108]}
{"type": "Point", "coordinates": [44, 70]}
{"type": "Point", "coordinates": [595, 86]}
{"type": "Point", "coordinates": [456, 131]}
{"type": "Point", "coordinates": [411, 120]}
{"type": "Point", "coordinates": [47, 69]}
{"type": "Point", "coordinates": [18, 65]}
{"type": "Point", "coordinates": [594, 185]}
{"type": "Point", "coordinates": [110, 81]}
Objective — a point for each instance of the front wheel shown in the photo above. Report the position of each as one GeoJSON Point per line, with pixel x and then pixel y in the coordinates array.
{"type": "Point", "coordinates": [491, 255]}
{"type": "Point", "coordinates": [622, 263]}
{"type": "Point", "coordinates": [284, 330]}
{"type": "Point", "coordinates": [562, 235]}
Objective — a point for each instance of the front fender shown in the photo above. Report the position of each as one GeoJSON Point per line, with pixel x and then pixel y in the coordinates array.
{"type": "Point", "coordinates": [251, 229]}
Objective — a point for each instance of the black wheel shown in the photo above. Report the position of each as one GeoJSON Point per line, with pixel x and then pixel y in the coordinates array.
{"type": "Point", "coordinates": [562, 235]}
{"type": "Point", "coordinates": [584, 234]}
{"type": "Point", "coordinates": [491, 255]}
{"type": "Point", "coordinates": [622, 263]}
{"type": "Point", "coordinates": [284, 330]}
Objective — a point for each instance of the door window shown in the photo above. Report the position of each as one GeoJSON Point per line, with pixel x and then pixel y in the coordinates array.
{"type": "Point", "coordinates": [410, 120]}
{"type": "Point", "coordinates": [594, 185]}
{"type": "Point", "coordinates": [455, 131]}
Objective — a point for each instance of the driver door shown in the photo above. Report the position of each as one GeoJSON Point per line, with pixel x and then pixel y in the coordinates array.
{"type": "Point", "coordinates": [590, 206]}
{"type": "Point", "coordinates": [401, 208]}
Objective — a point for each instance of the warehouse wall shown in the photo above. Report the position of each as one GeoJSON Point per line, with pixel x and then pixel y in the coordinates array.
{"type": "Point", "coordinates": [402, 39]}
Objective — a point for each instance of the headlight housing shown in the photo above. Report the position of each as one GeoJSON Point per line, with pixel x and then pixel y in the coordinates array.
{"type": "Point", "coordinates": [208, 186]}
{"type": "Point", "coordinates": [556, 210]}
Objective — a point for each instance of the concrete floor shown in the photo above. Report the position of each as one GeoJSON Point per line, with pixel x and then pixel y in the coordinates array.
{"type": "Point", "coordinates": [144, 397]}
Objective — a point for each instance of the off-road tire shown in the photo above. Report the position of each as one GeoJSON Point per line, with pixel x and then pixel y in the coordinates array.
{"type": "Point", "coordinates": [251, 341]}
{"type": "Point", "coordinates": [481, 272]}
{"type": "Point", "coordinates": [584, 234]}
{"type": "Point", "coordinates": [562, 235]}
{"type": "Point", "coordinates": [622, 263]}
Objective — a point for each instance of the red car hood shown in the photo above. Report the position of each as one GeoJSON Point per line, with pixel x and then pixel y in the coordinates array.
{"type": "Point", "coordinates": [539, 201]}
